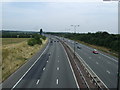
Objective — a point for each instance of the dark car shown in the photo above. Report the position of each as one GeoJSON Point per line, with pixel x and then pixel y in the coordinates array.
{"type": "Point", "coordinates": [95, 51]}
{"type": "Point", "coordinates": [51, 41]}
{"type": "Point", "coordinates": [78, 47]}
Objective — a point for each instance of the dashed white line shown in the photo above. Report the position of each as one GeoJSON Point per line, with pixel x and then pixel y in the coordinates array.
{"type": "Point", "coordinates": [108, 62]}
{"type": "Point", "coordinates": [90, 57]}
{"type": "Point", "coordinates": [109, 57]}
{"type": "Point", "coordinates": [58, 60]}
{"type": "Point", "coordinates": [99, 57]}
{"type": "Point", "coordinates": [57, 81]}
{"type": "Point", "coordinates": [57, 68]}
{"type": "Point", "coordinates": [29, 69]}
{"type": "Point", "coordinates": [43, 69]}
{"type": "Point", "coordinates": [47, 61]}
{"type": "Point", "coordinates": [104, 55]}
{"type": "Point", "coordinates": [88, 66]}
{"type": "Point", "coordinates": [108, 72]}
{"type": "Point", "coordinates": [38, 81]}
{"type": "Point", "coordinates": [97, 63]}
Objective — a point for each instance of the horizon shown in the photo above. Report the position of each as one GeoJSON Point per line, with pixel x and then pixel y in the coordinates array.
{"type": "Point", "coordinates": [59, 16]}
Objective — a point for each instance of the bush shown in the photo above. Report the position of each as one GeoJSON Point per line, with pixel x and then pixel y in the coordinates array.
{"type": "Point", "coordinates": [39, 41]}
{"type": "Point", "coordinates": [43, 37]}
{"type": "Point", "coordinates": [35, 40]}
{"type": "Point", "coordinates": [32, 42]}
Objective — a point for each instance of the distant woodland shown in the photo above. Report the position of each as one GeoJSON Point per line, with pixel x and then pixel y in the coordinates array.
{"type": "Point", "coordinates": [104, 39]}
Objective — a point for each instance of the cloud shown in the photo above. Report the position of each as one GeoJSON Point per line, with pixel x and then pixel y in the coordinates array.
{"type": "Point", "coordinates": [59, 16]}
{"type": "Point", "coordinates": [51, 0]}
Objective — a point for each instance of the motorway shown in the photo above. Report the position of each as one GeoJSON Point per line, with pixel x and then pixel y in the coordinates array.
{"type": "Point", "coordinates": [49, 68]}
{"type": "Point", "coordinates": [104, 65]}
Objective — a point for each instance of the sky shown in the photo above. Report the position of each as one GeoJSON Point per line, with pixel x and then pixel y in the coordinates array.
{"type": "Point", "coordinates": [59, 16]}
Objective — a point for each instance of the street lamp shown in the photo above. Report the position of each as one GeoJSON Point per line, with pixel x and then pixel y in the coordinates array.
{"type": "Point", "coordinates": [74, 33]}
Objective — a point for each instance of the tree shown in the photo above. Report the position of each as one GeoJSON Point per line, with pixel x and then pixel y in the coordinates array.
{"type": "Point", "coordinates": [41, 31]}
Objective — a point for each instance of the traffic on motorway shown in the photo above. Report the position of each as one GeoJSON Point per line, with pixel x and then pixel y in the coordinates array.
{"type": "Point", "coordinates": [51, 68]}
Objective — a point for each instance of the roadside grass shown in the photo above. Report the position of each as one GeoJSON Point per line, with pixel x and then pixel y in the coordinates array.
{"type": "Point", "coordinates": [104, 49]}
{"type": "Point", "coordinates": [16, 54]}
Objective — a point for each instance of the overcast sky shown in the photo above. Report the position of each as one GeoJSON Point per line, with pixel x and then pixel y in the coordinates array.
{"type": "Point", "coordinates": [59, 16]}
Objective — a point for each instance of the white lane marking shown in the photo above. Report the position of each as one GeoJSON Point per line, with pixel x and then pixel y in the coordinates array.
{"type": "Point", "coordinates": [109, 57]}
{"type": "Point", "coordinates": [57, 81]}
{"type": "Point", "coordinates": [108, 72]}
{"type": "Point", "coordinates": [108, 62]}
{"type": "Point", "coordinates": [47, 61]}
{"type": "Point", "coordinates": [43, 68]}
{"type": "Point", "coordinates": [28, 69]}
{"type": "Point", "coordinates": [97, 63]}
{"type": "Point", "coordinates": [99, 57]}
{"type": "Point", "coordinates": [57, 68]}
{"type": "Point", "coordinates": [58, 60]}
{"type": "Point", "coordinates": [71, 67]}
{"type": "Point", "coordinates": [87, 65]}
{"type": "Point", "coordinates": [103, 54]}
{"type": "Point", "coordinates": [38, 81]}
{"type": "Point", "coordinates": [90, 57]}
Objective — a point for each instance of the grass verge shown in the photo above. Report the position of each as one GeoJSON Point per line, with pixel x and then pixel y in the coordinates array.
{"type": "Point", "coordinates": [16, 54]}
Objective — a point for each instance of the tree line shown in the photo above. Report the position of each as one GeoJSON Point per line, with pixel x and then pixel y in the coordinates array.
{"type": "Point", "coordinates": [17, 34]}
{"type": "Point", "coordinates": [104, 39]}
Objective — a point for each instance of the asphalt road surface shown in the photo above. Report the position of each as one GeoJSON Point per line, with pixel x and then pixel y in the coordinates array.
{"type": "Point", "coordinates": [104, 65]}
{"type": "Point", "coordinates": [50, 68]}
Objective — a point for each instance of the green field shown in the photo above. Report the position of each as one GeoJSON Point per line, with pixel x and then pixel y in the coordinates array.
{"type": "Point", "coordinates": [6, 41]}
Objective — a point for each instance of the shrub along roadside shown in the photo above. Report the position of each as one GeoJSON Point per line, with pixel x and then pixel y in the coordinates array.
{"type": "Point", "coordinates": [16, 54]}
{"type": "Point", "coordinates": [36, 40]}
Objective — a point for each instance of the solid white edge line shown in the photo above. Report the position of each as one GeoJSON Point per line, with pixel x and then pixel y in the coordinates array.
{"type": "Point", "coordinates": [89, 67]}
{"type": "Point", "coordinates": [83, 77]}
{"type": "Point", "coordinates": [71, 67]}
{"type": "Point", "coordinates": [29, 69]}
{"type": "Point", "coordinates": [109, 57]}
{"type": "Point", "coordinates": [101, 53]}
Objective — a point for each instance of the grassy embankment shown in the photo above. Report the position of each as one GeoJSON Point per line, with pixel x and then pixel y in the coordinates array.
{"type": "Point", "coordinates": [104, 49]}
{"type": "Point", "coordinates": [15, 52]}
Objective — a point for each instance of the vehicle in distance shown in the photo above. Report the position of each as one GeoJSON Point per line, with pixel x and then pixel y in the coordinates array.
{"type": "Point", "coordinates": [95, 51]}
{"type": "Point", "coordinates": [51, 41]}
{"type": "Point", "coordinates": [78, 47]}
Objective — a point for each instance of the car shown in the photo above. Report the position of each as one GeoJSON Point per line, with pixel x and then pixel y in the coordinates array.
{"type": "Point", "coordinates": [78, 47]}
{"type": "Point", "coordinates": [51, 41]}
{"type": "Point", "coordinates": [95, 51]}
